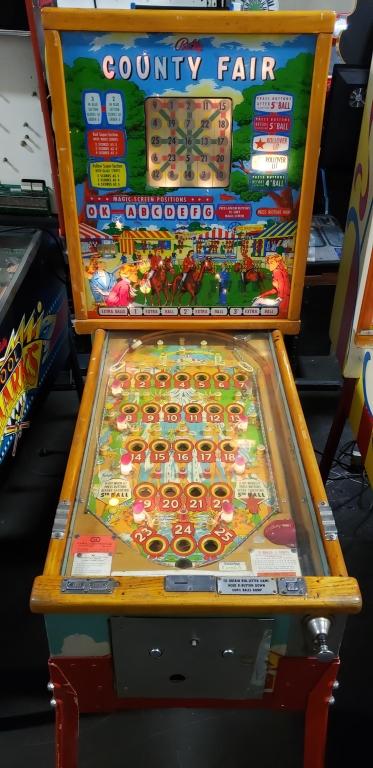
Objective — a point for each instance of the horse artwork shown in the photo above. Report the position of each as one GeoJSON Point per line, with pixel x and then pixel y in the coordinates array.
{"type": "Point", "coordinates": [249, 276]}
{"type": "Point", "coordinates": [193, 280]}
{"type": "Point", "coordinates": [159, 280]}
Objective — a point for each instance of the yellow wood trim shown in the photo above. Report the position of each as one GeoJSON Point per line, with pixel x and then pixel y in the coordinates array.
{"type": "Point", "coordinates": [318, 493]}
{"type": "Point", "coordinates": [135, 595]}
{"type": "Point", "coordinates": [283, 22]}
{"type": "Point", "coordinates": [57, 546]}
{"type": "Point", "coordinates": [55, 70]}
{"type": "Point", "coordinates": [364, 340]}
{"type": "Point", "coordinates": [317, 100]}
{"type": "Point", "coordinates": [168, 324]}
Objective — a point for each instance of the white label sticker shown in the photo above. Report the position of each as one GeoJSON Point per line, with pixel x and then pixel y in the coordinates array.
{"type": "Point", "coordinates": [271, 143]}
{"type": "Point", "coordinates": [269, 163]}
{"type": "Point", "coordinates": [251, 311]}
{"type": "Point", "coordinates": [91, 564]}
{"type": "Point", "coordinates": [219, 311]}
{"type": "Point", "coordinates": [114, 108]}
{"type": "Point", "coordinates": [250, 486]}
{"type": "Point", "coordinates": [169, 311]}
{"type": "Point", "coordinates": [116, 487]}
{"type": "Point", "coordinates": [92, 108]}
{"type": "Point", "coordinates": [234, 565]}
{"type": "Point", "coordinates": [274, 102]}
{"type": "Point", "coordinates": [106, 311]}
{"type": "Point", "coordinates": [282, 562]}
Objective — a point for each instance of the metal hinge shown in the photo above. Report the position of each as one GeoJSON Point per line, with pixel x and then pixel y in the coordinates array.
{"type": "Point", "coordinates": [328, 522]}
{"type": "Point", "coordinates": [60, 520]}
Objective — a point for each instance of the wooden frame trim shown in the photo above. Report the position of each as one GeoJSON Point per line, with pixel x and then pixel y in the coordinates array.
{"type": "Point", "coordinates": [55, 71]}
{"type": "Point", "coordinates": [185, 324]}
{"type": "Point", "coordinates": [57, 546]}
{"type": "Point", "coordinates": [139, 596]}
{"type": "Point", "coordinates": [332, 548]}
{"type": "Point", "coordinates": [311, 157]}
{"type": "Point", "coordinates": [287, 22]}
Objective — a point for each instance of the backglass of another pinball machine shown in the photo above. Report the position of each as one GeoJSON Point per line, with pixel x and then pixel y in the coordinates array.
{"type": "Point", "coordinates": [351, 327]}
{"type": "Point", "coordinates": [194, 556]}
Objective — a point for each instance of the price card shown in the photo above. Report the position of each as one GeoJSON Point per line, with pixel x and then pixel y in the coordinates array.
{"type": "Point", "coordinates": [282, 562]}
{"type": "Point", "coordinates": [91, 564]}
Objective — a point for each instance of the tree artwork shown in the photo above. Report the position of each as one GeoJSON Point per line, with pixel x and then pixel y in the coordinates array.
{"type": "Point", "coordinates": [86, 72]}
{"type": "Point", "coordinates": [294, 78]}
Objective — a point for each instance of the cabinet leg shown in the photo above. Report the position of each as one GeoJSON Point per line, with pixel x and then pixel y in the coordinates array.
{"type": "Point", "coordinates": [67, 718]}
{"type": "Point", "coordinates": [316, 718]}
{"type": "Point", "coordinates": [336, 428]}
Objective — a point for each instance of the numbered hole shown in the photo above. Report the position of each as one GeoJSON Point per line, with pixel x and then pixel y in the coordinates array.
{"type": "Point", "coordinates": [189, 123]}
{"type": "Point", "coordinates": [155, 141]}
{"type": "Point", "coordinates": [155, 158]}
{"type": "Point", "coordinates": [183, 545]}
{"type": "Point", "coordinates": [210, 545]}
{"type": "Point", "coordinates": [220, 175]}
{"type": "Point", "coordinates": [156, 122]}
{"type": "Point", "coordinates": [156, 175]}
{"type": "Point", "coordinates": [205, 175]}
{"type": "Point", "coordinates": [172, 175]}
{"type": "Point", "coordinates": [156, 546]}
{"type": "Point", "coordinates": [223, 123]}
{"type": "Point", "coordinates": [188, 175]}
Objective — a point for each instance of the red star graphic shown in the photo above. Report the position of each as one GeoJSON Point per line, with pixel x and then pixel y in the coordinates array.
{"type": "Point", "coordinates": [260, 144]}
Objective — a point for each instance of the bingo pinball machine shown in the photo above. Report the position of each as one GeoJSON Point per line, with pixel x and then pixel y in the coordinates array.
{"type": "Point", "coordinates": [194, 559]}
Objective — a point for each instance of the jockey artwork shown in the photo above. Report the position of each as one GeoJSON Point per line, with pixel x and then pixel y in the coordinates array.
{"type": "Point", "coordinates": [188, 265]}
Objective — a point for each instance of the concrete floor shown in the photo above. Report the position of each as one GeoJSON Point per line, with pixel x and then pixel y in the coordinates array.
{"type": "Point", "coordinates": [169, 738]}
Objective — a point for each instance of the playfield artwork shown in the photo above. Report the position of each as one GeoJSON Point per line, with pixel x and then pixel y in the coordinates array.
{"type": "Point", "coordinates": [188, 161]}
{"type": "Point", "coordinates": [182, 470]}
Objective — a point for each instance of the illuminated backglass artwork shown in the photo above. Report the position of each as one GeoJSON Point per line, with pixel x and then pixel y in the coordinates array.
{"type": "Point", "coordinates": [187, 158]}
{"type": "Point", "coordinates": [188, 141]}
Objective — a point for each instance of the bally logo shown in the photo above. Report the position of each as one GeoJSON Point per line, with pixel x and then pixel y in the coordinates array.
{"type": "Point", "coordinates": [184, 44]}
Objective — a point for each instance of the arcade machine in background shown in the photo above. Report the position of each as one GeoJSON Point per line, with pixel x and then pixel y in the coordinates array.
{"type": "Point", "coordinates": [34, 327]}
{"type": "Point", "coordinates": [351, 327]}
{"type": "Point", "coordinates": [314, 365]}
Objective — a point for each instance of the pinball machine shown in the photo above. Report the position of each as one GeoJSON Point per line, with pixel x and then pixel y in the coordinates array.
{"type": "Point", "coordinates": [351, 327]}
{"type": "Point", "coordinates": [194, 559]}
